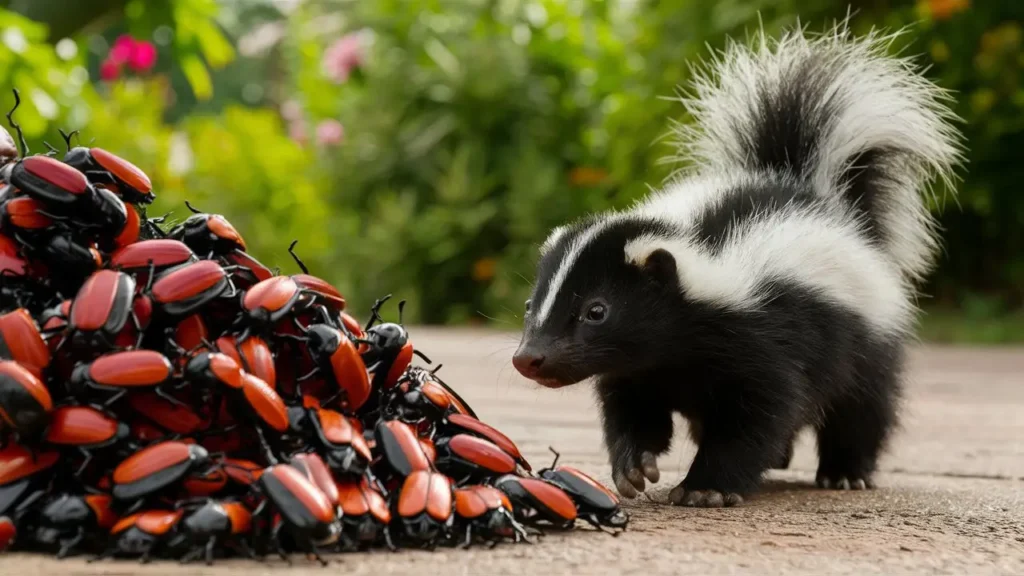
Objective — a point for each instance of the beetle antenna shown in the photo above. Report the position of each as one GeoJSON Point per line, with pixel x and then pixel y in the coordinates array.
{"type": "Point", "coordinates": [423, 356]}
{"type": "Point", "coordinates": [302, 265]}
{"type": "Point", "coordinates": [375, 311]}
{"type": "Point", "coordinates": [52, 151]}
{"type": "Point", "coordinates": [17, 128]}
{"type": "Point", "coordinates": [557, 456]}
{"type": "Point", "coordinates": [401, 310]}
{"type": "Point", "coordinates": [192, 208]}
{"type": "Point", "coordinates": [67, 136]}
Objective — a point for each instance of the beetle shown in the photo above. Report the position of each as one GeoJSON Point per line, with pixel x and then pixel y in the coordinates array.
{"type": "Point", "coordinates": [185, 290]}
{"type": "Point", "coordinates": [214, 522]}
{"type": "Point", "coordinates": [26, 214]}
{"type": "Point", "coordinates": [248, 270]}
{"type": "Point", "coordinates": [326, 294]}
{"type": "Point", "coordinates": [536, 500]}
{"type": "Point", "coordinates": [464, 424]}
{"type": "Point", "coordinates": [159, 255]}
{"type": "Point", "coordinates": [103, 167]}
{"type": "Point", "coordinates": [336, 358]}
{"type": "Point", "coordinates": [25, 476]}
{"type": "Point", "coordinates": [389, 352]}
{"type": "Point", "coordinates": [419, 396]}
{"type": "Point", "coordinates": [471, 457]}
{"type": "Point", "coordinates": [248, 395]}
{"type": "Point", "coordinates": [101, 311]}
{"type": "Point", "coordinates": [365, 514]}
{"type": "Point", "coordinates": [119, 372]}
{"type": "Point", "coordinates": [173, 417]}
{"type": "Point", "coordinates": [69, 262]}
{"type": "Point", "coordinates": [107, 214]}
{"type": "Point", "coordinates": [253, 355]}
{"type": "Point", "coordinates": [12, 263]}
{"type": "Point", "coordinates": [25, 403]}
{"type": "Point", "coordinates": [486, 511]}
{"type": "Point", "coordinates": [424, 506]}
{"type": "Point", "coordinates": [203, 483]}
{"type": "Point", "coordinates": [66, 520]}
{"type": "Point", "coordinates": [400, 449]}
{"type": "Point", "coordinates": [594, 503]}
{"type": "Point", "coordinates": [21, 341]}
{"type": "Point", "coordinates": [51, 182]}
{"type": "Point", "coordinates": [141, 533]}
{"type": "Point", "coordinates": [155, 468]}
{"type": "Point", "coordinates": [305, 512]}
{"type": "Point", "coordinates": [130, 232]}
{"type": "Point", "coordinates": [334, 436]}
{"type": "Point", "coordinates": [271, 300]}
{"type": "Point", "coordinates": [265, 402]}
{"type": "Point", "coordinates": [209, 234]}
{"type": "Point", "coordinates": [315, 470]}
{"type": "Point", "coordinates": [86, 429]}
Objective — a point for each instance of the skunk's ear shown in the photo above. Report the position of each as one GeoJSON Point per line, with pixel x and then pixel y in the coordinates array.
{"type": "Point", "coordinates": [661, 266]}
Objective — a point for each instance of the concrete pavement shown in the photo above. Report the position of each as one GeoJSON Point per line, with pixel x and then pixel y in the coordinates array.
{"type": "Point", "coordinates": [950, 497]}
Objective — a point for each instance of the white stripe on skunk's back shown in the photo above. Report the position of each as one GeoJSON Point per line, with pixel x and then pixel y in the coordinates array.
{"type": "Point", "coordinates": [819, 249]}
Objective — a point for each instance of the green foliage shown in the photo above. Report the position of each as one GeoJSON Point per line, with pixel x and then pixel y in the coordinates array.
{"type": "Point", "coordinates": [473, 127]}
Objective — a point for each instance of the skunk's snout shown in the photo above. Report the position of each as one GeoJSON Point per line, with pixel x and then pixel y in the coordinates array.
{"type": "Point", "coordinates": [528, 360]}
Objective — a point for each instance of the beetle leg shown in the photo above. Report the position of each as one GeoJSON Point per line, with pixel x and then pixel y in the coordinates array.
{"type": "Point", "coordinates": [115, 397]}
{"type": "Point", "coordinates": [85, 463]}
{"type": "Point", "coordinates": [102, 555]}
{"type": "Point", "coordinates": [388, 541]}
{"type": "Point", "coordinates": [166, 396]}
{"type": "Point", "coordinates": [309, 375]}
{"type": "Point", "coordinates": [191, 555]}
{"type": "Point", "coordinates": [469, 537]}
{"type": "Point", "coordinates": [67, 545]}
{"type": "Point", "coordinates": [245, 549]}
{"type": "Point", "coordinates": [210, 544]}
{"type": "Point", "coordinates": [144, 559]}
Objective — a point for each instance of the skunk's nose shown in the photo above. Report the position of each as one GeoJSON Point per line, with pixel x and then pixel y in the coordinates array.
{"type": "Point", "coordinates": [528, 362]}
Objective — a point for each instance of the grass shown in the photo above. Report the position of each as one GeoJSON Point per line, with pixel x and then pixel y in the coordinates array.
{"type": "Point", "coordinates": [957, 327]}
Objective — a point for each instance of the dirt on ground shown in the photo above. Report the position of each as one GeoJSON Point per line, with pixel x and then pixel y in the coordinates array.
{"type": "Point", "coordinates": [950, 498]}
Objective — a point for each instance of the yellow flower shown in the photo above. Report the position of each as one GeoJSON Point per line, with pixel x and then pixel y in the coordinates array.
{"type": "Point", "coordinates": [483, 269]}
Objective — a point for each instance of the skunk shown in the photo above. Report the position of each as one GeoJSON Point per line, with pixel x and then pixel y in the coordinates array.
{"type": "Point", "coordinates": [769, 286]}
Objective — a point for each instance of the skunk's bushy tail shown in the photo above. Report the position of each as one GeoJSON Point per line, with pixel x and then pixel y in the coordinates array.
{"type": "Point", "coordinates": [839, 113]}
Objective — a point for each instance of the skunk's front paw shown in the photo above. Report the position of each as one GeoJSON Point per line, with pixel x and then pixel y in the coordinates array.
{"type": "Point", "coordinates": [680, 496]}
{"type": "Point", "coordinates": [629, 475]}
{"type": "Point", "coordinates": [829, 482]}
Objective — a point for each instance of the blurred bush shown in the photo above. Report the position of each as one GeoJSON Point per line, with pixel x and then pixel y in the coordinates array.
{"type": "Point", "coordinates": [426, 147]}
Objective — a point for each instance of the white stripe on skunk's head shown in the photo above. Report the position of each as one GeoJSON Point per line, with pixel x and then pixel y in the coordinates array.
{"type": "Point", "coordinates": [590, 309]}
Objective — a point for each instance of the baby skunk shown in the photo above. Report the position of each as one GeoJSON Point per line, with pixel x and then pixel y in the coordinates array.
{"type": "Point", "coordinates": [769, 287]}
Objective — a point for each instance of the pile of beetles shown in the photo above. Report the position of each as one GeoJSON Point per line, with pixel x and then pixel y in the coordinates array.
{"type": "Point", "coordinates": [163, 394]}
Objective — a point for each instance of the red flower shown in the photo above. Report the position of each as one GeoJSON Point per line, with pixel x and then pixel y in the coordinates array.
{"type": "Point", "coordinates": [110, 70]}
{"type": "Point", "coordinates": [143, 57]}
{"type": "Point", "coordinates": [122, 50]}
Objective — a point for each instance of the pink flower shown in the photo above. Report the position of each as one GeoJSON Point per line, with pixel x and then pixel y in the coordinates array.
{"type": "Point", "coordinates": [291, 110]}
{"type": "Point", "coordinates": [143, 57]}
{"type": "Point", "coordinates": [343, 57]}
{"type": "Point", "coordinates": [330, 133]}
{"type": "Point", "coordinates": [122, 50]}
{"type": "Point", "coordinates": [110, 70]}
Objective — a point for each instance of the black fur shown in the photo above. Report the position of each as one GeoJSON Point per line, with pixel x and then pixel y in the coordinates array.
{"type": "Point", "coordinates": [744, 203]}
{"type": "Point", "coordinates": [747, 380]}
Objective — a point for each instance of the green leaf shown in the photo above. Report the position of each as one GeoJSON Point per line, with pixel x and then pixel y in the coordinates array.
{"type": "Point", "coordinates": [198, 76]}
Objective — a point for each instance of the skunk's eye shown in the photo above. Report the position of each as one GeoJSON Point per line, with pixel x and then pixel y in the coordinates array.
{"type": "Point", "coordinates": [596, 314]}
{"type": "Point", "coordinates": [528, 306]}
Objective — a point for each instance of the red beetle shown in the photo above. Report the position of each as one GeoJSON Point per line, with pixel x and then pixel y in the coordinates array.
{"type": "Point", "coordinates": [424, 506]}
{"type": "Point", "coordinates": [132, 228]}
{"type": "Point", "coordinates": [265, 402]}
{"type": "Point", "coordinates": [337, 359]}
{"type": "Point", "coordinates": [536, 500]}
{"type": "Point", "coordinates": [102, 167]}
{"type": "Point", "coordinates": [173, 417]}
{"type": "Point", "coordinates": [486, 511]}
{"type": "Point", "coordinates": [185, 290]}
{"type": "Point", "coordinates": [24, 213]}
{"type": "Point", "coordinates": [86, 429]}
{"type": "Point", "coordinates": [325, 294]}
{"type": "Point", "coordinates": [461, 423]}
{"type": "Point", "coordinates": [25, 476]}
{"type": "Point", "coordinates": [202, 483]}
{"type": "Point", "coordinates": [212, 523]}
{"type": "Point", "coordinates": [140, 534]}
{"type": "Point", "coordinates": [25, 403]}
{"type": "Point", "coordinates": [336, 437]}
{"type": "Point", "coordinates": [209, 234]}
{"type": "Point", "coordinates": [594, 503]}
{"type": "Point", "coordinates": [51, 182]}
{"type": "Point", "coordinates": [65, 520]}
{"type": "Point", "coordinates": [365, 514]}
{"type": "Point", "coordinates": [8, 533]}
{"type": "Point", "coordinates": [102, 311]}
{"type": "Point", "coordinates": [155, 468]}
{"type": "Point", "coordinates": [248, 270]}
{"type": "Point", "coordinates": [160, 254]}
{"type": "Point", "coordinates": [313, 467]}
{"type": "Point", "coordinates": [467, 456]}
{"type": "Point", "coordinates": [253, 355]}
{"type": "Point", "coordinates": [190, 336]}
{"type": "Point", "coordinates": [120, 372]}
{"type": "Point", "coordinates": [400, 448]}
{"type": "Point", "coordinates": [304, 510]}
{"type": "Point", "coordinates": [271, 300]}
{"type": "Point", "coordinates": [21, 341]}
